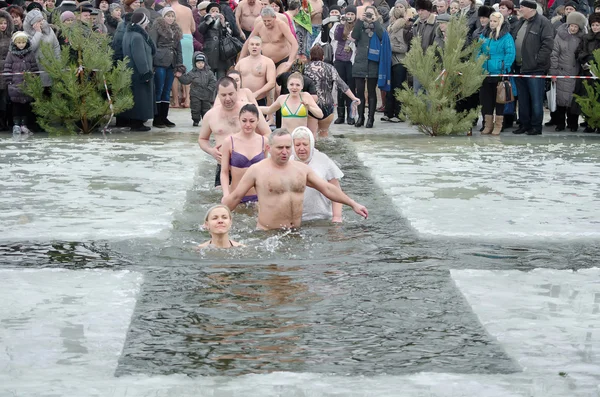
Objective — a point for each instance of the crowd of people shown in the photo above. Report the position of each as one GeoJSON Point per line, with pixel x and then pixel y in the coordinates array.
{"type": "Point", "coordinates": [297, 66]}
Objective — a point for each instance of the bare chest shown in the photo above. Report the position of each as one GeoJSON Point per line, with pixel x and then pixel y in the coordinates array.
{"type": "Point", "coordinates": [272, 36]}
{"type": "Point", "coordinates": [251, 12]}
{"type": "Point", "coordinates": [256, 69]}
{"type": "Point", "coordinates": [225, 126]}
{"type": "Point", "coordinates": [278, 183]}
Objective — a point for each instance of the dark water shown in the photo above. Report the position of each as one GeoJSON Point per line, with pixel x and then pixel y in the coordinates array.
{"type": "Point", "coordinates": [367, 297]}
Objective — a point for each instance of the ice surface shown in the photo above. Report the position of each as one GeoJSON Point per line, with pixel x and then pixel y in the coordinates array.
{"type": "Point", "coordinates": [61, 333]}
{"type": "Point", "coordinates": [454, 187]}
{"type": "Point", "coordinates": [67, 189]}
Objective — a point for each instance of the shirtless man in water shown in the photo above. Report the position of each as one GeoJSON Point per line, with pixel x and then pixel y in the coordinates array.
{"type": "Point", "coordinates": [280, 185]}
{"type": "Point", "coordinates": [245, 14]}
{"type": "Point", "coordinates": [278, 42]}
{"type": "Point", "coordinates": [185, 20]}
{"type": "Point", "coordinates": [224, 120]}
{"type": "Point", "coordinates": [257, 71]}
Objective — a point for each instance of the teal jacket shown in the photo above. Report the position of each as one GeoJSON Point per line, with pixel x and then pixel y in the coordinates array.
{"type": "Point", "coordinates": [500, 53]}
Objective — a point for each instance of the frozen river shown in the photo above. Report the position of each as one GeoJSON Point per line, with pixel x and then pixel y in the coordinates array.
{"type": "Point", "coordinates": [476, 273]}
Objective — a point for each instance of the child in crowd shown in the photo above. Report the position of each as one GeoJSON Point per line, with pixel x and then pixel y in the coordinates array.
{"type": "Point", "coordinates": [20, 60]}
{"type": "Point", "coordinates": [203, 85]}
{"type": "Point", "coordinates": [6, 30]}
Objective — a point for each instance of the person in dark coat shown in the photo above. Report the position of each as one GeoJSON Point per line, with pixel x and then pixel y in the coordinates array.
{"type": "Point", "coordinates": [585, 56]}
{"type": "Point", "coordinates": [168, 62]}
{"type": "Point", "coordinates": [20, 59]}
{"type": "Point", "coordinates": [213, 29]}
{"type": "Point", "coordinates": [364, 68]}
{"type": "Point", "coordinates": [139, 48]}
{"type": "Point", "coordinates": [112, 18]}
{"type": "Point", "coordinates": [6, 29]}
{"type": "Point", "coordinates": [203, 86]}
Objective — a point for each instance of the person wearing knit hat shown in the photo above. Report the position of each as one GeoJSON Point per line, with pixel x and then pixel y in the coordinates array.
{"type": "Point", "coordinates": [112, 18]}
{"type": "Point", "coordinates": [114, 6]}
{"type": "Point", "coordinates": [67, 17]}
{"type": "Point", "coordinates": [532, 58]}
{"type": "Point", "coordinates": [351, 8]}
{"type": "Point", "coordinates": [202, 5]}
{"type": "Point", "coordinates": [165, 10]}
{"type": "Point", "coordinates": [571, 4]}
{"type": "Point", "coordinates": [140, 49]}
{"type": "Point", "coordinates": [567, 40]}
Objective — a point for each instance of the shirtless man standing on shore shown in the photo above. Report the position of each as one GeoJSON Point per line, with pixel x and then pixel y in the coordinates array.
{"type": "Point", "coordinates": [278, 42]}
{"type": "Point", "coordinates": [185, 20]}
{"type": "Point", "coordinates": [280, 186]}
{"type": "Point", "coordinates": [257, 71]}
{"type": "Point", "coordinates": [245, 14]}
{"type": "Point", "coordinates": [223, 121]}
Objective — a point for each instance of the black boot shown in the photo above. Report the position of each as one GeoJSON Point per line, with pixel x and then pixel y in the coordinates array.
{"type": "Point", "coordinates": [158, 117]}
{"type": "Point", "coordinates": [508, 121]}
{"type": "Point", "coordinates": [165, 113]}
{"type": "Point", "coordinates": [372, 109]}
{"type": "Point", "coordinates": [340, 119]}
{"type": "Point", "coordinates": [360, 121]}
{"type": "Point", "coordinates": [138, 125]}
{"type": "Point", "coordinates": [122, 122]}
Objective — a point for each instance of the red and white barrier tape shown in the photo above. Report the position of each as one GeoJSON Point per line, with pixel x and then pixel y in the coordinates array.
{"type": "Point", "coordinates": [531, 76]}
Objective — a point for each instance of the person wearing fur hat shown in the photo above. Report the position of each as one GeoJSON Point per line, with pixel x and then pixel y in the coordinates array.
{"type": "Point", "coordinates": [20, 59]}
{"type": "Point", "coordinates": [6, 29]}
{"type": "Point", "coordinates": [112, 18]}
{"type": "Point", "coordinates": [564, 63]}
{"type": "Point", "coordinates": [424, 27]}
{"type": "Point", "coordinates": [483, 13]}
{"type": "Point", "coordinates": [585, 56]}
{"type": "Point", "coordinates": [202, 83]}
{"type": "Point", "coordinates": [39, 31]}
{"type": "Point", "coordinates": [168, 63]}
{"type": "Point", "coordinates": [140, 49]}
{"type": "Point", "coordinates": [534, 41]}
{"type": "Point", "coordinates": [400, 33]}
{"type": "Point", "coordinates": [498, 47]}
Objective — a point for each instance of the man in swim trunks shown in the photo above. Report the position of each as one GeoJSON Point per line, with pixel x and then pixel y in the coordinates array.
{"type": "Point", "coordinates": [280, 186]}
{"type": "Point", "coordinates": [278, 42]}
{"type": "Point", "coordinates": [185, 20]}
{"type": "Point", "coordinates": [223, 121]}
{"type": "Point", "coordinates": [257, 71]}
{"type": "Point", "coordinates": [245, 15]}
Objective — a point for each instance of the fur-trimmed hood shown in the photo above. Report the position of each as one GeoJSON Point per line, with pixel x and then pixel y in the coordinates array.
{"type": "Point", "coordinates": [563, 32]}
{"type": "Point", "coordinates": [28, 25]}
{"type": "Point", "coordinates": [172, 31]}
{"type": "Point", "coordinates": [504, 29]}
{"type": "Point", "coordinates": [11, 26]}
{"type": "Point", "coordinates": [20, 53]}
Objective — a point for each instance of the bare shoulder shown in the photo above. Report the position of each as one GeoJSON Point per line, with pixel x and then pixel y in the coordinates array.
{"type": "Point", "coordinates": [203, 245]}
{"type": "Point", "coordinates": [267, 60]}
{"type": "Point", "coordinates": [236, 244]}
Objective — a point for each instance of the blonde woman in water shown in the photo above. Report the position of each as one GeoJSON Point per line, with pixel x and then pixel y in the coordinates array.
{"type": "Point", "coordinates": [218, 221]}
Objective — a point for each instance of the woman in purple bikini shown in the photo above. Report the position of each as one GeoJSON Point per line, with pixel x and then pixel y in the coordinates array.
{"type": "Point", "coordinates": [242, 150]}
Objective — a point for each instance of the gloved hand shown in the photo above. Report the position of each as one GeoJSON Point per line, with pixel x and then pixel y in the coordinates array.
{"type": "Point", "coordinates": [147, 76]}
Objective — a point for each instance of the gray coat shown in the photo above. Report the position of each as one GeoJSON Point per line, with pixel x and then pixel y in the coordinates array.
{"type": "Point", "coordinates": [564, 63]}
{"type": "Point", "coordinates": [167, 39]}
{"type": "Point", "coordinates": [140, 50]}
{"type": "Point", "coordinates": [37, 38]}
{"type": "Point", "coordinates": [362, 66]}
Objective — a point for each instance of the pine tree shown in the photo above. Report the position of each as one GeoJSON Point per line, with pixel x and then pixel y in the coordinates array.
{"type": "Point", "coordinates": [78, 100]}
{"type": "Point", "coordinates": [590, 103]}
{"type": "Point", "coordinates": [447, 75]}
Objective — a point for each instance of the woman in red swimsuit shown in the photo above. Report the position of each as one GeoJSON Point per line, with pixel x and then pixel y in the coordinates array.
{"type": "Point", "coordinates": [242, 150]}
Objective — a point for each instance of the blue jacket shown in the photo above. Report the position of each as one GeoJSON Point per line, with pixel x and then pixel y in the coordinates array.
{"type": "Point", "coordinates": [500, 53]}
{"type": "Point", "coordinates": [385, 63]}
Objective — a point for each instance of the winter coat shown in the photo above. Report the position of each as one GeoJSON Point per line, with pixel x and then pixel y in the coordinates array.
{"type": "Point", "coordinates": [426, 30]}
{"type": "Point", "coordinates": [47, 35]}
{"type": "Point", "coordinates": [500, 52]}
{"type": "Point", "coordinates": [537, 44]}
{"type": "Point", "coordinates": [589, 43]}
{"type": "Point", "coordinates": [5, 43]}
{"type": "Point", "coordinates": [564, 63]}
{"type": "Point", "coordinates": [472, 22]}
{"type": "Point", "coordinates": [198, 38]}
{"type": "Point", "coordinates": [111, 23]}
{"type": "Point", "coordinates": [19, 61]}
{"type": "Point", "coordinates": [140, 50]}
{"type": "Point", "coordinates": [203, 83]}
{"type": "Point", "coordinates": [212, 37]}
{"type": "Point", "coordinates": [557, 21]}
{"type": "Point", "coordinates": [167, 39]}
{"type": "Point", "coordinates": [117, 43]}
{"type": "Point", "coordinates": [400, 32]}
{"type": "Point", "coordinates": [340, 45]}
{"type": "Point", "coordinates": [363, 67]}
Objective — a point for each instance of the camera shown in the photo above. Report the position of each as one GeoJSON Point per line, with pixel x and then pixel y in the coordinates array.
{"type": "Point", "coordinates": [369, 15]}
{"type": "Point", "coordinates": [334, 19]}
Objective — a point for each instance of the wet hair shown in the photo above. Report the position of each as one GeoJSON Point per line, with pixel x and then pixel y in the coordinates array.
{"type": "Point", "coordinates": [293, 5]}
{"type": "Point", "coordinates": [249, 108]}
{"type": "Point", "coordinates": [317, 53]}
{"type": "Point", "coordinates": [268, 12]}
{"type": "Point", "coordinates": [278, 132]}
{"type": "Point", "coordinates": [279, 4]}
{"type": "Point", "coordinates": [214, 207]}
{"type": "Point", "coordinates": [226, 82]}
{"type": "Point", "coordinates": [296, 76]}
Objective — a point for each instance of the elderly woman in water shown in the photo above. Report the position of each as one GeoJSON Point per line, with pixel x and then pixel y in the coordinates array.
{"type": "Point", "coordinates": [316, 205]}
{"type": "Point", "coordinates": [218, 221]}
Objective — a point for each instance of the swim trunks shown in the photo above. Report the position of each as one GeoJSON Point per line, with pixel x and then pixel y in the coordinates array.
{"type": "Point", "coordinates": [187, 51]}
{"type": "Point", "coordinates": [246, 33]}
{"type": "Point", "coordinates": [326, 109]}
{"type": "Point", "coordinates": [262, 102]}
{"type": "Point", "coordinates": [250, 199]}
{"type": "Point", "coordinates": [282, 61]}
{"type": "Point", "coordinates": [218, 176]}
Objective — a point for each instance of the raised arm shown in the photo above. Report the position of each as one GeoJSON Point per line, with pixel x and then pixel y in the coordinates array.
{"type": "Point", "coordinates": [275, 106]}
{"type": "Point", "coordinates": [247, 182]}
{"type": "Point", "coordinates": [334, 193]}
